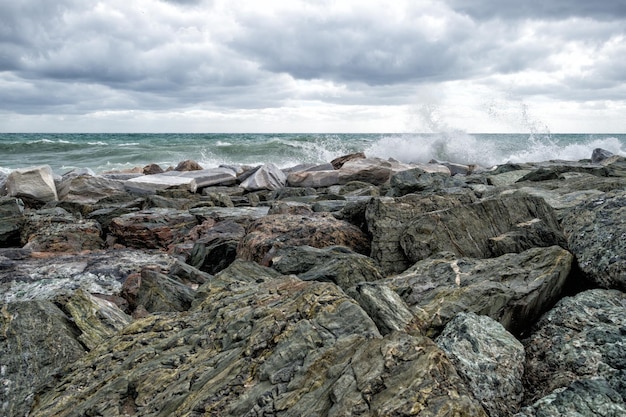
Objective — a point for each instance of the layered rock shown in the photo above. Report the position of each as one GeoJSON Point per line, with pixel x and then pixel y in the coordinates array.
{"type": "Point", "coordinates": [255, 346]}
{"type": "Point", "coordinates": [513, 289]}
{"type": "Point", "coordinates": [34, 183]}
{"type": "Point", "coordinates": [387, 218]}
{"type": "Point", "coordinates": [467, 230]}
{"type": "Point", "coordinates": [36, 342]}
{"type": "Point", "coordinates": [11, 220]}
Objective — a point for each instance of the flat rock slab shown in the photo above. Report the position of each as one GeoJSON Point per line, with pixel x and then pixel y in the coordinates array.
{"type": "Point", "coordinates": [37, 276]}
{"type": "Point", "coordinates": [513, 289]}
{"type": "Point", "coordinates": [263, 344]}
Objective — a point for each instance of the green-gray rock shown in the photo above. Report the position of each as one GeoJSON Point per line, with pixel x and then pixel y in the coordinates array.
{"type": "Point", "coordinates": [513, 289]}
{"type": "Point", "coordinates": [36, 342]}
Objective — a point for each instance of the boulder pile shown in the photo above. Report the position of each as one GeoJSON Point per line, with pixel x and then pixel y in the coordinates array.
{"type": "Point", "coordinates": [361, 287]}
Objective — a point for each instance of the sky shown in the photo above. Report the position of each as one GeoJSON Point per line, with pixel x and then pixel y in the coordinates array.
{"type": "Point", "coordinates": [479, 66]}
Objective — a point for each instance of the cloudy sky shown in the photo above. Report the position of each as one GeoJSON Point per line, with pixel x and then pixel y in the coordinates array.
{"type": "Point", "coordinates": [312, 66]}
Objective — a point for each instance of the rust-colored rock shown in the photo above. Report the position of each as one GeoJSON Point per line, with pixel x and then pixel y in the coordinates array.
{"type": "Point", "coordinates": [188, 165]}
{"type": "Point", "coordinates": [337, 163]}
{"type": "Point", "coordinates": [317, 230]}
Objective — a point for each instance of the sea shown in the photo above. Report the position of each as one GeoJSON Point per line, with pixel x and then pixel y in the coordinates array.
{"type": "Point", "coordinates": [104, 152]}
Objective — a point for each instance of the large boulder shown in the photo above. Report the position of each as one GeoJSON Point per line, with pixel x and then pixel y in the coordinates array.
{"type": "Point", "coordinates": [419, 180]}
{"type": "Point", "coordinates": [37, 342]}
{"type": "Point", "coordinates": [335, 264]}
{"type": "Point", "coordinates": [154, 228]}
{"type": "Point", "coordinates": [468, 229]}
{"type": "Point", "coordinates": [596, 234]}
{"type": "Point", "coordinates": [216, 247]}
{"type": "Point", "coordinates": [579, 346]}
{"type": "Point", "coordinates": [387, 218]}
{"type": "Point", "coordinates": [154, 291]}
{"type": "Point", "coordinates": [87, 189]}
{"type": "Point", "coordinates": [489, 359]}
{"type": "Point", "coordinates": [261, 345]}
{"type": "Point", "coordinates": [513, 289]}
{"type": "Point", "coordinates": [272, 232]}
{"type": "Point", "coordinates": [34, 183]}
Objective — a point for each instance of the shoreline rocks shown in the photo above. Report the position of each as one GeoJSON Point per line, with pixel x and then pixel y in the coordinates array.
{"type": "Point", "coordinates": [358, 287]}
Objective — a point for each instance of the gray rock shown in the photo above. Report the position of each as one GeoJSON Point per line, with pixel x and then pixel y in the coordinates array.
{"type": "Point", "coordinates": [36, 343]}
{"type": "Point", "coordinates": [599, 155]}
{"type": "Point", "coordinates": [335, 264]}
{"type": "Point", "coordinates": [267, 177]}
{"type": "Point", "coordinates": [156, 292]}
{"type": "Point", "coordinates": [387, 218]}
{"type": "Point", "coordinates": [43, 278]}
{"type": "Point", "coordinates": [87, 189]}
{"type": "Point", "coordinates": [238, 214]}
{"type": "Point", "coordinates": [36, 183]}
{"type": "Point", "coordinates": [149, 184]}
{"type": "Point", "coordinates": [314, 179]}
{"type": "Point", "coordinates": [418, 180]}
{"type": "Point", "coordinates": [11, 221]}
{"type": "Point", "coordinates": [582, 337]}
{"type": "Point", "coordinates": [596, 234]}
{"type": "Point", "coordinates": [586, 397]}
{"type": "Point", "coordinates": [513, 289]}
{"type": "Point", "coordinates": [533, 233]}
{"type": "Point", "coordinates": [467, 230]}
{"type": "Point", "coordinates": [488, 358]}
{"type": "Point", "coordinates": [216, 248]}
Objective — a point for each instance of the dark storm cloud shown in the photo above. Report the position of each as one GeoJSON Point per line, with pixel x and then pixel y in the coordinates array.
{"type": "Point", "coordinates": [541, 9]}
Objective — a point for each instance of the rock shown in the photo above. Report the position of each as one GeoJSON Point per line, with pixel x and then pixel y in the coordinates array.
{"type": "Point", "coordinates": [355, 188]}
{"type": "Point", "coordinates": [261, 346]}
{"type": "Point", "coordinates": [513, 289]}
{"type": "Point", "coordinates": [290, 207]}
{"type": "Point", "coordinates": [372, 170]}
{"type": "Point", "coordinates": [417, 180]}
{"type": "Point", "coordinates": [386, 219]}
{"type": "Point", "coordinates": [384, 306]}
{"type": "Point", "coordinates": [314, 179]}
{"type": "Point", "coordinates": [36, 343]}
{"type": "Point", "coordinates": [40, 277]}
{"type": "Point", "coordinates": [337, 163]}
{"type": "Point", "coordinates": [267, 177]}
{"type": "Point", "coordinates": [58, 231]}
{"type": "Point", "coordinates": [506, 178]}
{"type": "Point", "coordinates": [149, 184]}
{"type": "Point", "coordinates": [86, 189]}
{"type": "Point", "coordinates": [34, 183]}
{"type": "Point", "coordinates": [11, 221]}
{"type": "Point", "coordinates": [466, 230]}
{"type": "Point", "coordinates": [599, 155]}
{"type": "Point", "coordinates": [97, 319]}
{"type": "Point", "coordinates": [152, 169]}
{"type": "Point", "coordinates": [488, 358]}
{"type": "Point", "coordinates": [587, 397]}
{"type": "Point", "coordinates": [533, 233]}
{"type": "Point", "coordinates": [329, 206]}
{"type": "Point", "coordinates": [153, 229]}
{"type": "Point", "coordinates": [335, 264]}
{"type": "Point", "coordinates": [596, 235]}
{"type": "Point", "coordinates": [317, 230]}
{"type": "Point", "coordinates": [581, 338]}
{"type": "Point", "coordinates": [237, 214]}
{"type": "Point", "coordinates": [216, 248]}
{"type": "Point", "coordinates": [188, 165]}
{"type": "Point", "coordinates": [156, 292]}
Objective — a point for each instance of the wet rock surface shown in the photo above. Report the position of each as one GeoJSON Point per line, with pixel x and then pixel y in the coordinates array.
{"type": "Point", "coordinates": [392, 289]}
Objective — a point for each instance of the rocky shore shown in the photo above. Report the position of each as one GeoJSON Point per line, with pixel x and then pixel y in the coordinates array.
{"type": "Point", "coordinates": [363, 287]}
